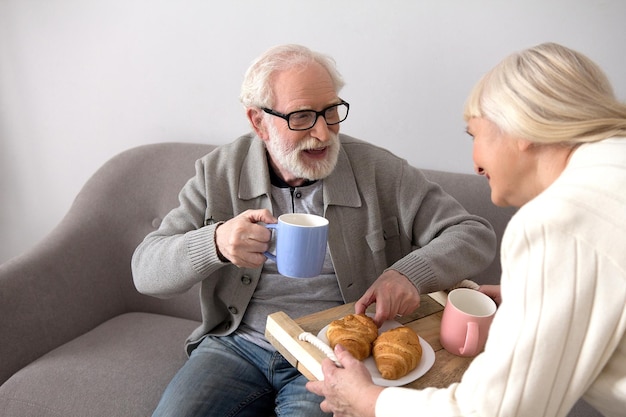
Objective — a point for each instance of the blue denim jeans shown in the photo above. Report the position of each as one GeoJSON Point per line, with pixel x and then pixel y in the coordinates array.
{"type": "Point", "coordinates": [230, 376]}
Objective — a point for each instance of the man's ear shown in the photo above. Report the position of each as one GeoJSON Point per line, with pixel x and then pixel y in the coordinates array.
{"type": "Point", "coordinates": [257, 120]}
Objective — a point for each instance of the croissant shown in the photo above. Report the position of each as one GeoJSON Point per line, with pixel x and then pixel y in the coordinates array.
{"type": "Point", "coordinates": [397, 352]}
{"type": "Point", "coordinates": [355, 332]}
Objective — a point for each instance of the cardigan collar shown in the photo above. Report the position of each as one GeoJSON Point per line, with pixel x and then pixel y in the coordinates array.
{"type": "Point", "coordinates": [339, 188]}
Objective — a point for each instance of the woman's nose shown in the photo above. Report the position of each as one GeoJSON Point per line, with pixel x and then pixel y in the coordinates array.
{"type": "Point", "coordinates": [479, 170]}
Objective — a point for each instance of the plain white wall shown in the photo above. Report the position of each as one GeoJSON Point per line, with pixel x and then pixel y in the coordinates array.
{"type": "Point", "coordinates": [82, 80]}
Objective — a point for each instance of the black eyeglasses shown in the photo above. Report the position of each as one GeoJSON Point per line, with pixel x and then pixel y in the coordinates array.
{"type": "Point", "coordinates": [306, 119]}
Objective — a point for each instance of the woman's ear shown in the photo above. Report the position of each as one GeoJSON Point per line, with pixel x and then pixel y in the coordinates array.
{"type": "Point", "coordinates": [524, 144]}
{"type": "Point", "coordinates": [257, 120]}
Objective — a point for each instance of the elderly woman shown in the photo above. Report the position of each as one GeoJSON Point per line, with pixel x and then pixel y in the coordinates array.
{"type": "Point", "coordinates": [550, 137]}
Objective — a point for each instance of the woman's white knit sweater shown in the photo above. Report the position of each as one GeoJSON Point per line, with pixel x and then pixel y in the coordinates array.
{"type": "Point", "coordinates": [560, 332]}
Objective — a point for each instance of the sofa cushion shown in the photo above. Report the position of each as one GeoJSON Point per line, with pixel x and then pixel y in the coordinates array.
{"type": "Point", "coordinates": [120, 368]}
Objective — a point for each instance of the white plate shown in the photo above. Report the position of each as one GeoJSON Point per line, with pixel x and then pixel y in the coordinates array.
{"type": "Point", "coordinates": [427, 361]}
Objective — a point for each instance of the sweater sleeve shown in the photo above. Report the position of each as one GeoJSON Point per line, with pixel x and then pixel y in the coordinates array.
{"type": "Point", "coordinates": [553, 334]}
{"type": "Point", "coordinates": [449, 244]}
{"type": "Point", "coordinates": [182, 251]}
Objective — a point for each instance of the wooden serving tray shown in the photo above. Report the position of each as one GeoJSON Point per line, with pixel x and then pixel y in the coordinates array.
{"type": "Point", "coordinates": [282, 332]}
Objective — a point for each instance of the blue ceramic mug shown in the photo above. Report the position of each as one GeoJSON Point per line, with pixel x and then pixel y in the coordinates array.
{"type": "Point", "coordinates": [300, 244]}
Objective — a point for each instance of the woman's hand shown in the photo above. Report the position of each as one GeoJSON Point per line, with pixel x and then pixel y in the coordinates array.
{"type": "Point", "coordinates": [492, 291]}
{"type": "Point", "coordinates": [348, 391]}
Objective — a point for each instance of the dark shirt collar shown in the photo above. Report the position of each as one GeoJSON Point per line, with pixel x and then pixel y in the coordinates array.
{"type": "Point", "coordinates": [278, 182]}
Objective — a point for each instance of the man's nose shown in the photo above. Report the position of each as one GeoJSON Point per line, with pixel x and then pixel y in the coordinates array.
{"type": "Point", "coordinates": [320, 130]}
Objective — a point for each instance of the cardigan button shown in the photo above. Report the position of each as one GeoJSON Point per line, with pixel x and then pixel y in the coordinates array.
{"type": "Point", "coordinates": [246, 280]}
{"type": "Point", "coordinates": [233, 310]}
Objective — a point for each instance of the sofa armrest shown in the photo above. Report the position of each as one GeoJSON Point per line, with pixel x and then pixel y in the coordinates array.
{"type": "Point", "coordinates": [51, 295]}
{"type": "Point", "coordinates": [79, 276]}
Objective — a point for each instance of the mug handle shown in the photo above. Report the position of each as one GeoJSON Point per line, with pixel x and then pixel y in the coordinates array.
{"type": "Point", "coordinates": [268, 254]}
{"type": "Point", "coordinates": [471, 340]}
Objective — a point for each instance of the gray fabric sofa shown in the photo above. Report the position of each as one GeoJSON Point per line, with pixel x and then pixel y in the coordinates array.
{"type": "Point", "coordinates": [76, 338]}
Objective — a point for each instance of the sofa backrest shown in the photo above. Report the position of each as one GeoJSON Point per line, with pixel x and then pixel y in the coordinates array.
{"type": "Point", "coordinates": [135, 190]}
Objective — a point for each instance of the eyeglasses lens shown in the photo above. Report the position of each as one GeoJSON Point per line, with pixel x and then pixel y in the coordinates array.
{"type": "Point", "coordinates": [306, 119]}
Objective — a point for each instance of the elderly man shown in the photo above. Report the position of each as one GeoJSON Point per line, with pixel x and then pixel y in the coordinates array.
{"type": "Point", "coordinates": [392, 236]}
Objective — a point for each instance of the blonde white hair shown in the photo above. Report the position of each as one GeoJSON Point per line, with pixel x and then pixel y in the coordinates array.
{"type": "Point", "coordinates": [549, 94]}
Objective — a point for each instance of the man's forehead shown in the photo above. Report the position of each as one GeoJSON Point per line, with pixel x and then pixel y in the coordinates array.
{"type": "Point", "coordinates": [304, 88]}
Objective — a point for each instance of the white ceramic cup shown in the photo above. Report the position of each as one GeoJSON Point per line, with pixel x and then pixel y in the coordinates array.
{"type": "Point", "coordinates": [466, 320]}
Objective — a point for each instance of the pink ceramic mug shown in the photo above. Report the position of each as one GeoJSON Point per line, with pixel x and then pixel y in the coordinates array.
{"type": "Point", "coordinates": [465, 322]}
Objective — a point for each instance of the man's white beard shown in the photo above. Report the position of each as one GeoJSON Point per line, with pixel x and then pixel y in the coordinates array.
{"type": "Point", "coordinates": [291, 159]}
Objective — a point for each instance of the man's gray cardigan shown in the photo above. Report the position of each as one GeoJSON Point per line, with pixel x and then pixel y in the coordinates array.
{"type": "Point", "coordinates": [383, 213]}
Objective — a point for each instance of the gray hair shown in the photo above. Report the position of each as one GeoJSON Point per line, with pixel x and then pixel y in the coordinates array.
{"type": "Point", "coordinates": [256, 90]}
{"type": "Point", "coordinates": [549, 94]}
